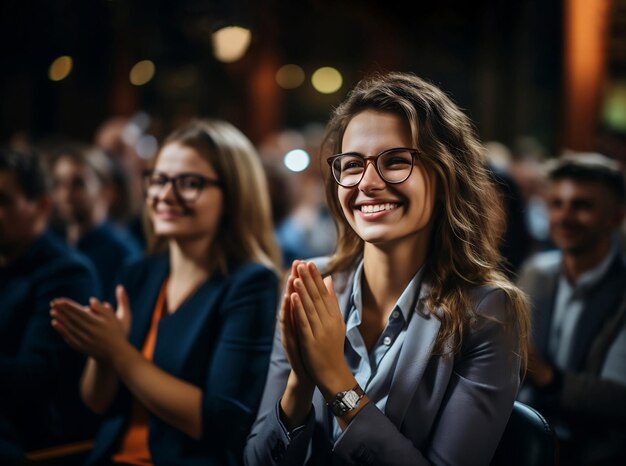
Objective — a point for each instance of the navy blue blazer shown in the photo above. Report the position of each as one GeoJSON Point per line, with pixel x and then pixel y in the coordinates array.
{"type": "Point", "coordinates": [220, 340]}
{"type": "Point", "coordinates": [39, 372]}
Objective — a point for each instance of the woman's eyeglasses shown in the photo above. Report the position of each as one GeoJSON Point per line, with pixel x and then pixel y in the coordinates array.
{"type": "Point", "coordinates": [392, 165]}
{"type": "Point", "coordinates": [186, 186]}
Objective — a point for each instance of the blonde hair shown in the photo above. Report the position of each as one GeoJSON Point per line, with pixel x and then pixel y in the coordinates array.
{"type": "Point", "coordinates": [467, 226]}
{"type": "Point", "coordinates": [246, 231]}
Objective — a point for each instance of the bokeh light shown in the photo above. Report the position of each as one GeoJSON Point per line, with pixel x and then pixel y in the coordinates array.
{"type": "Point", "coordinates": [326, 80]}
{"type": "Point", "coordinates": [290, 76]}
{"type": "Point", "coordinates": [60, 68]}
{"type": "Point", "coordinates": [142, 72]}
{"type": "Point", "coordinates": [230, 43]}
{"type": "Point", "coordinates": [297, 160]}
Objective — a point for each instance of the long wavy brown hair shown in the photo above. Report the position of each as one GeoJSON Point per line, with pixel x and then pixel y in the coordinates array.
{"type": "Point", "coordinates": [468, 223]}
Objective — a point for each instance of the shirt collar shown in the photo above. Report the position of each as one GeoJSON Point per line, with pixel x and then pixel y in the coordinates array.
{"type": "Point", "coordinates": [406, 302]}
{"type": "Point", "coordinates": [591, 277]}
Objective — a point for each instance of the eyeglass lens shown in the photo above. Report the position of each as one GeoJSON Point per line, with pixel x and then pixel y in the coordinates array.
{"type": "Point", "coordinates": [393, 166]}
{"type": "Point", "coordinates": [187, 186]}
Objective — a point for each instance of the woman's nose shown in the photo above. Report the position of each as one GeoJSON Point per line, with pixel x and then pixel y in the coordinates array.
{"type": "Point", "coordinates": [167, 192]}
{"type": "Point", "coordinates": [371, 179]}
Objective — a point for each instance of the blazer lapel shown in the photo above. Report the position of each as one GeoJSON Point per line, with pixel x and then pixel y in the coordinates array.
{"type": "Point", "coordinates": [544, 307]}
{"type": "Point", "coordinates": [420, 337]}
{"type": "Point", "coordinates": [414, 355]}
{"type": "Point", "coordinates": [142, 307]}
{"type": "Point", "coordinates": [603, 302]}
{"type": "Point", "coordinates": [188, 325]}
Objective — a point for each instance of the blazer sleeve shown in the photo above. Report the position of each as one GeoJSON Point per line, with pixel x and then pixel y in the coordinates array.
{"type": "Point", "coordinates": [44, 359]}
{"type": "Point", "coordinates": [599, 396]}
{"type": "Point", "coordinates": [476, 406]}
{"type": "Point", "coordinates": [238, 365]}
{"type": "Point", "coordinates": [269, 443]}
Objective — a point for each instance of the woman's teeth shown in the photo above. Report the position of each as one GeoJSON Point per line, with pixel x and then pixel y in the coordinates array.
{"type": "Point", "coordinates": [370, 208]}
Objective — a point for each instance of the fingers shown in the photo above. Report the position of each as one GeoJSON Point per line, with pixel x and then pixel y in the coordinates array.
{"type": "Point", "coordinates": [292, 276]}
{"type": "Point", "coordinates": [98, 307]}
{"type": "Point", "coordinates": [287, 327]}
{"type": "Point", "coordinates": [300, 317]}
{"type": "Point", "coordinates": [307, 274]}
{"type": "Point", "coordinates": [123, 305]}
{"type": "Point", "coordinates": [324, 301]}
{"type": "Point", "coordinates": [59, 301]}
{"type": "Point", "coordinates": [71, 314]}
{"type": "Point", "coordinates": [72, 337]}
{"type": "Point", "coordinates": [308, 305]}
{"type": "Point", "coordinates": [121, 295]}
{"type": "Point", "coordinates": [316, 276]}
{"type": "Point", "coordinates": [285, 308]}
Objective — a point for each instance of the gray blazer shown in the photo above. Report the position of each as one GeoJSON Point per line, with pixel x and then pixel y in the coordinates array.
{"type": "Point", "coordinates": [593, 385]}
{"type": "Point", "coordinates": [440, 409]}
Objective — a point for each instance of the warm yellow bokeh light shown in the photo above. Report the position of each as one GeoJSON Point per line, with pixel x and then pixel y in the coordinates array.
{"type": "Point", "coordinates": [290, 76]}
{"type": "Point", "coordinates": [60, 68]}
{"type": "Point", "coordinates": [327, 80]}
{"type": "Point", "coordinates": [230, 43]}
{"type": "Point", "coordinates": [142, 72]}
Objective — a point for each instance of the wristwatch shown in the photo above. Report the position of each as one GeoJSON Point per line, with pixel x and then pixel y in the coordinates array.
{"type": "Point", "coordinates": [346, 401]}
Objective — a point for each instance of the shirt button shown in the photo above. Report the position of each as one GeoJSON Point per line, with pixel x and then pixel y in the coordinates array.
{"type": "Point", "coordinates": [395, 314]}
{"type": "Point", "coordinates": [387, 341]}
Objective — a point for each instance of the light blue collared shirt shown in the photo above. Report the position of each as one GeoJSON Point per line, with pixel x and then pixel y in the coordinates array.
{"type": "Point", "coordinates": [374, 370]}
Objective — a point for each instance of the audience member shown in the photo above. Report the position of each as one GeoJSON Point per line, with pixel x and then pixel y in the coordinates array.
{"type": "Point", "coordinates": [39, 400]}
{"type": "Point", "coordinates": [416, 358]}
{"type": "Point", "coordinates": [282, 199]}
{"type": "Point", "coordinates": [180, 381]}
{"type": "Point", "coordinates": [120, 137]}
{"type": "Point", "coordinates": [304, 228]}
{"type": "Point", "coordinates": [81, 189]}
{"type": "Point", "coordinates": [577, 369]}
{"type": "Point", "coordinates": [516, 242]}
{"type": "Point", "coordinates": [528, 158]}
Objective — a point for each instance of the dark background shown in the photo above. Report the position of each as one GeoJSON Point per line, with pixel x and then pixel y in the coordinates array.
{"type": "Point", "coordinates": [501, 60]}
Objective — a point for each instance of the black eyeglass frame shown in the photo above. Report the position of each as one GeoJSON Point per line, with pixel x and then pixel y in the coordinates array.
{"type": "Point", "coordinates": [204, 182]}
{"type": "Point", "coordinates": [374, 158]}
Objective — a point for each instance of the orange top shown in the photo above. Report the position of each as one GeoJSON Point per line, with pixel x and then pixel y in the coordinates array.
{"type": "Point", "coordinates": [133, 446]}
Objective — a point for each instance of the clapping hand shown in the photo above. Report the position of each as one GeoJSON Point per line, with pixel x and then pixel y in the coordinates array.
{"type": "Point", "coordinates": [320, 328]}
{"type": "Point", "coordinates": [96, 330]}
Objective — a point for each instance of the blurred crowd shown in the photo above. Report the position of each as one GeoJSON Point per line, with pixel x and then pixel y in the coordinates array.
{"type": "Point", "coordinates": [96, 210]}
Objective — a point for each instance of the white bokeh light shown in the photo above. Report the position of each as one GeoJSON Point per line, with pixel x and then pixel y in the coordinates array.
{"type": "Point", "coordinates": [147, 146]}
{"type": "Point", "coordinates": [297, 160]}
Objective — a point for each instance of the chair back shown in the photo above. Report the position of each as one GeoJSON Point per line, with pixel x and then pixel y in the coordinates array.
{"type": "Point", "coordinates": [528, 440]}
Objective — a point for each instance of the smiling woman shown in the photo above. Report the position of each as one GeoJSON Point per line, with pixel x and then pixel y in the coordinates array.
{"type": "Point", "coordinates": [406, 345]}
{"type": "Point", "coordinates": [202, 308]}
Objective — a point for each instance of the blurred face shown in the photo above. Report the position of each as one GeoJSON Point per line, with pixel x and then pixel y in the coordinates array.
{"type": "Point", "coordinates": [76, 190]}
{"type": "Point", "coordinates": [184, 216]}
{"type": "Point", "coordinates": [582, 215]}
{"type": "Point", "coordinates": [19, 216]}
{"type": "Point", "coordinates": [380, 212]}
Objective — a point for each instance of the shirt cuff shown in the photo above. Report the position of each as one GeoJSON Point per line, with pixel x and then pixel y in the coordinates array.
{"type": "Point", "coordinates": [293, 433]}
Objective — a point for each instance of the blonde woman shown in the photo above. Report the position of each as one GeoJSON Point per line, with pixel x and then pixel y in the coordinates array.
{"type": "Point", "coordinates": [179, 378]}
{"type": "Point", "coordinates": [405, 346]}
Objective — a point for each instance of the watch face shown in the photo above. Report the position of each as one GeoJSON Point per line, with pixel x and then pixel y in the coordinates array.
{"type": "Point", "coordinates": [351, 399]}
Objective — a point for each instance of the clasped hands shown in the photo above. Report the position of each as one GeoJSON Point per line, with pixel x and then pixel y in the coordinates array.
{"type": "Point", "coordinates": [96, 330]}
{"type": "Point", "coordinates": [313, 332]}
